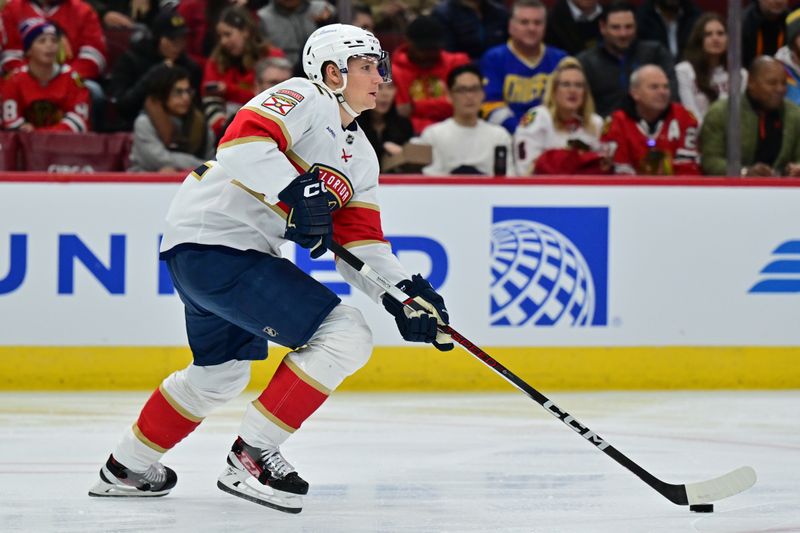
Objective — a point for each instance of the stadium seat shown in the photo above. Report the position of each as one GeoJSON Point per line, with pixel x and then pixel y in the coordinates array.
{"type": "Point", "coordinates": [9, 150]}
{"type": "Point", "coordinates": [75, 152]}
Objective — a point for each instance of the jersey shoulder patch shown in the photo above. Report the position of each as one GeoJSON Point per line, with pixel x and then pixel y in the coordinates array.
{"type": "Point", "coordinates": [528, 117]}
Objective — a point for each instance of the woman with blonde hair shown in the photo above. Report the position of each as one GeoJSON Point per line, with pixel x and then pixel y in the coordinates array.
{"type": "Point", "coordinates": [565, 120]}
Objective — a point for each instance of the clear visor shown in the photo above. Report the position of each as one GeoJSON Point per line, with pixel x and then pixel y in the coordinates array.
{"type": "Point", "coordinates": [382, 63]}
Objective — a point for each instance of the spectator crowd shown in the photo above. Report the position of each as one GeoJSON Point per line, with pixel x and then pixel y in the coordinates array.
{"type": "Point", "coordinates": [480, 87]}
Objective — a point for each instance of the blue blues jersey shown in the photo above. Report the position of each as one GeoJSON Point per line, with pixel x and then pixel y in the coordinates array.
{"type": "Point", "coordinates": [514, 84]}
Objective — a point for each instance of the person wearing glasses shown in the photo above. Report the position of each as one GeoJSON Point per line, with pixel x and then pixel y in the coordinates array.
{"type": "Point", "coordinates": [565, 119]}
{"type": "Point", "coordinates": [170, 133]}
{"type": "Point", "coordinates": [465, 143]}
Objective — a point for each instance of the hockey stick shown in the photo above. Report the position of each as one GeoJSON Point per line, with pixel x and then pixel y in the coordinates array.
{"type": "Point", "coordinates": [701, 492]}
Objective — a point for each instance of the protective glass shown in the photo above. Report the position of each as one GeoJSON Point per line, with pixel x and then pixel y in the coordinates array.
{"type": "Point", "coordinates": [383, 64]}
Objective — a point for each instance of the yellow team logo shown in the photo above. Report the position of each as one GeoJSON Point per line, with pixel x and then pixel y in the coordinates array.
{"type": "Point", "coordinates": [521, 89]}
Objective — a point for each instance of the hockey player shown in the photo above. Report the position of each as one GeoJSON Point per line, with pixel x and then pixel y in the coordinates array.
{"type": "Point", "coordinates": [293, 165]}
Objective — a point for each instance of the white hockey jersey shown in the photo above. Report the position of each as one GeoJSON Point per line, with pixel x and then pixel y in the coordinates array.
{"type": "Point", "coordinates": [537, 133]}
{"type": "Point", "coordinates": [279, 134]}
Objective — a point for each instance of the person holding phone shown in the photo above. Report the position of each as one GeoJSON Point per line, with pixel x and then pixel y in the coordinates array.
{"type": "Point", "coordinates": [565, 120]}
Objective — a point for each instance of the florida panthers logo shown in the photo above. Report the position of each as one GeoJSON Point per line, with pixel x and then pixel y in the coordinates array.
{"type": "Point", "coordinates": [336, 182]}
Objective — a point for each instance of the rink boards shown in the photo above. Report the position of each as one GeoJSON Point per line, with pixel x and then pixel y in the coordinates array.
{"type": "Point", "coordinates": [581, 284]}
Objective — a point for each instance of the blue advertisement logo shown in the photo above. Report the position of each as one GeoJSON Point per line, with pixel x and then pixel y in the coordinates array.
{"type": "Point", "coordinates": [549, 266]}
{"type": "Point", "coordinates": [782, 274]}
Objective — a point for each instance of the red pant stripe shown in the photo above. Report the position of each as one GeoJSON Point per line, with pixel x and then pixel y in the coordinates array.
{"type": "Point", "coordinates": [162, 424]}
{"type": "Point", "coordinates": [290, 399]}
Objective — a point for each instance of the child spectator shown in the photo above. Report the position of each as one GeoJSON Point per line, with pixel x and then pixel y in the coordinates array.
{"type": "Point", "coordinates": [82, 39]}
{"type": "Point", "coordinates": [651, 135]}
{"type": "Point", "coordinates": [44, 95]}
{"type": "Point", "coordinates": [789, 55]}
{"type": "Point", "coordinates": [419, 71]}
{"type": "Point", "coordinates": [466, 144]}
{"type": "Point", "coordinates": [171, 133]}
{"type": "Point", "coordinates": [229, 79]}
{"type": "Point", "coordinates": [386, 130]}
{"type": "Point", "coordinates": [566, 117]}
{"type": "Point", "coordinates": [130, 78]}
{"type": "Point", "coordinates": [703, 77]}
{"type": "Point", "coordinates": [517, 72]}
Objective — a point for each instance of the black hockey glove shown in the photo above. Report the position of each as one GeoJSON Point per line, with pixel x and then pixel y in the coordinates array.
{"type": "Point", "coordinates": [420, 326]}
{"type": "Point", "coordinates": [309, 222]}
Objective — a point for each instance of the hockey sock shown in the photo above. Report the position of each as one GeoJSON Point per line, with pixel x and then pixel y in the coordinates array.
{"type": "Point", "coordinates": [289, 399]}
{"type": "Point", "coordinates": [163, 422]}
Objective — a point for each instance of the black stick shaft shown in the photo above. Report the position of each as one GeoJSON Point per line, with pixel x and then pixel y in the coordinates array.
{"type": "Point", "coordinates": [675, 493]}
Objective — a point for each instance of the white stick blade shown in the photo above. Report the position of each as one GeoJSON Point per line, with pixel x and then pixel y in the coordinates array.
{"type": "Point", "coordinates": [722, 487]}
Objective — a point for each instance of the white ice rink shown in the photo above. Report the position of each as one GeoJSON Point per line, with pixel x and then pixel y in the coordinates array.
{"type": "Point", "coordinates": [426, 463]}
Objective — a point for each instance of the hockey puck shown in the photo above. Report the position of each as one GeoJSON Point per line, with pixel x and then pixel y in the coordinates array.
{"type": "Point", "coordinates": [702, 508]}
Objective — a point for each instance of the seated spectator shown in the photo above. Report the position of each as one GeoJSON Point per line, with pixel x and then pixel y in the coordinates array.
{"type": "Point", "coordinates": [650, 134]}
{"type": "Point", "coordinates": [609, 66]}
{"type": "Point", "coordinates": [82, 39]}
{"type": "Point", "coordinates": [667, 21]}
{"type": "Point", "coordinates": [44, 95]}
{"type": "Point", "coordinates": [703, 77]}
{"type": "Point", "coordinates": [288, 23]}
{"type": "Point", "coordinates": [386, 130]}
{"type": "Point", "coordinates": [789, 55]}
{"type": "Point", "coordinates": [574, 25]}
{"type": "Point", "coordinates": [472, 26]}
{"type": "Point", "coordinates": [770, 126]}
{"type": "Point", "coordinates": [362, 17]}
{"type": "Point", "coordinates": [516, 73]}
{"type": "Point", "coordinates": [566, 118]}
{"type": "Point", "coordinates": [171, 134]}
{"type": "Point", "coordinates": [129, 80]}
{"type": "Point", "coordinates": [229, 79]}
{"type": "Point", "coordinates": [763, 28]}
{"type": "Point", "coordinates": [419, 71]}
{"type": "Point", "coordinates": [271, 71]}
{"type": "Point", "coordinates": [125, 13]}
{"type": "Point", "coordinates": [466, 144]}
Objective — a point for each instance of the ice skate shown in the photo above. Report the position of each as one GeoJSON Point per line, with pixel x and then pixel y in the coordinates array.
{"type": "Point", "coordinates": [116, 480]}
{"type": "Point", "coordinates": [264, 477]}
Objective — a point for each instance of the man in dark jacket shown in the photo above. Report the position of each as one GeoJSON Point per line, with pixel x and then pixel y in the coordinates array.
{"type": "Point", "coordinates": [472, 26]}
{"type": "Point", "coordinates": [574, 25]}
{"type": "Point", "coordinates": [129, 79]}
{"type": "Point", "coordinates": [667, 21]}
{"type": "Point", "coordinates": [763, 29]}
{"type": "Point", "coordinates": [608, 67]}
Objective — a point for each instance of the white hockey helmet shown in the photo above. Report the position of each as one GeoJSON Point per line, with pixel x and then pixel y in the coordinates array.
{"type": "Point", "coordinates": [338, 43]}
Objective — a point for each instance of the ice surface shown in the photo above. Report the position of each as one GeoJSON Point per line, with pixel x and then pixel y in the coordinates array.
{"type": "Point", "coordinates": [425, 463]}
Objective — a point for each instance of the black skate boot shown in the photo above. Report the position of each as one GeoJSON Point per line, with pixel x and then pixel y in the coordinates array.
{"type": "Point", "coordinates": [118, 480]}
{"type": "Point", "coordinates": [264, 477]}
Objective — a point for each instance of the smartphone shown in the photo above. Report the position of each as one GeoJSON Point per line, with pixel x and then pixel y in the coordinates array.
{"type": "Point", "coordinates": [500, 160]}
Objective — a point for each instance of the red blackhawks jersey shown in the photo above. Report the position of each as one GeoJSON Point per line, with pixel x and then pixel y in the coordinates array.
{"type": "Point", "coordinates": [60, 104]}
{"type": "Point", "coordinates": [289, 129]}
{"type": "Point", "coordinates": [669, 148]}
{"type": "Point", "coordinates": [78, 22]}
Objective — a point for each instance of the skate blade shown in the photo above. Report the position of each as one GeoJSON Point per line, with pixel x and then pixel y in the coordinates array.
{"type": "Point", "coordinates": [101, 489]}
{"type": "Point", "coordinates": [231, 482]}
